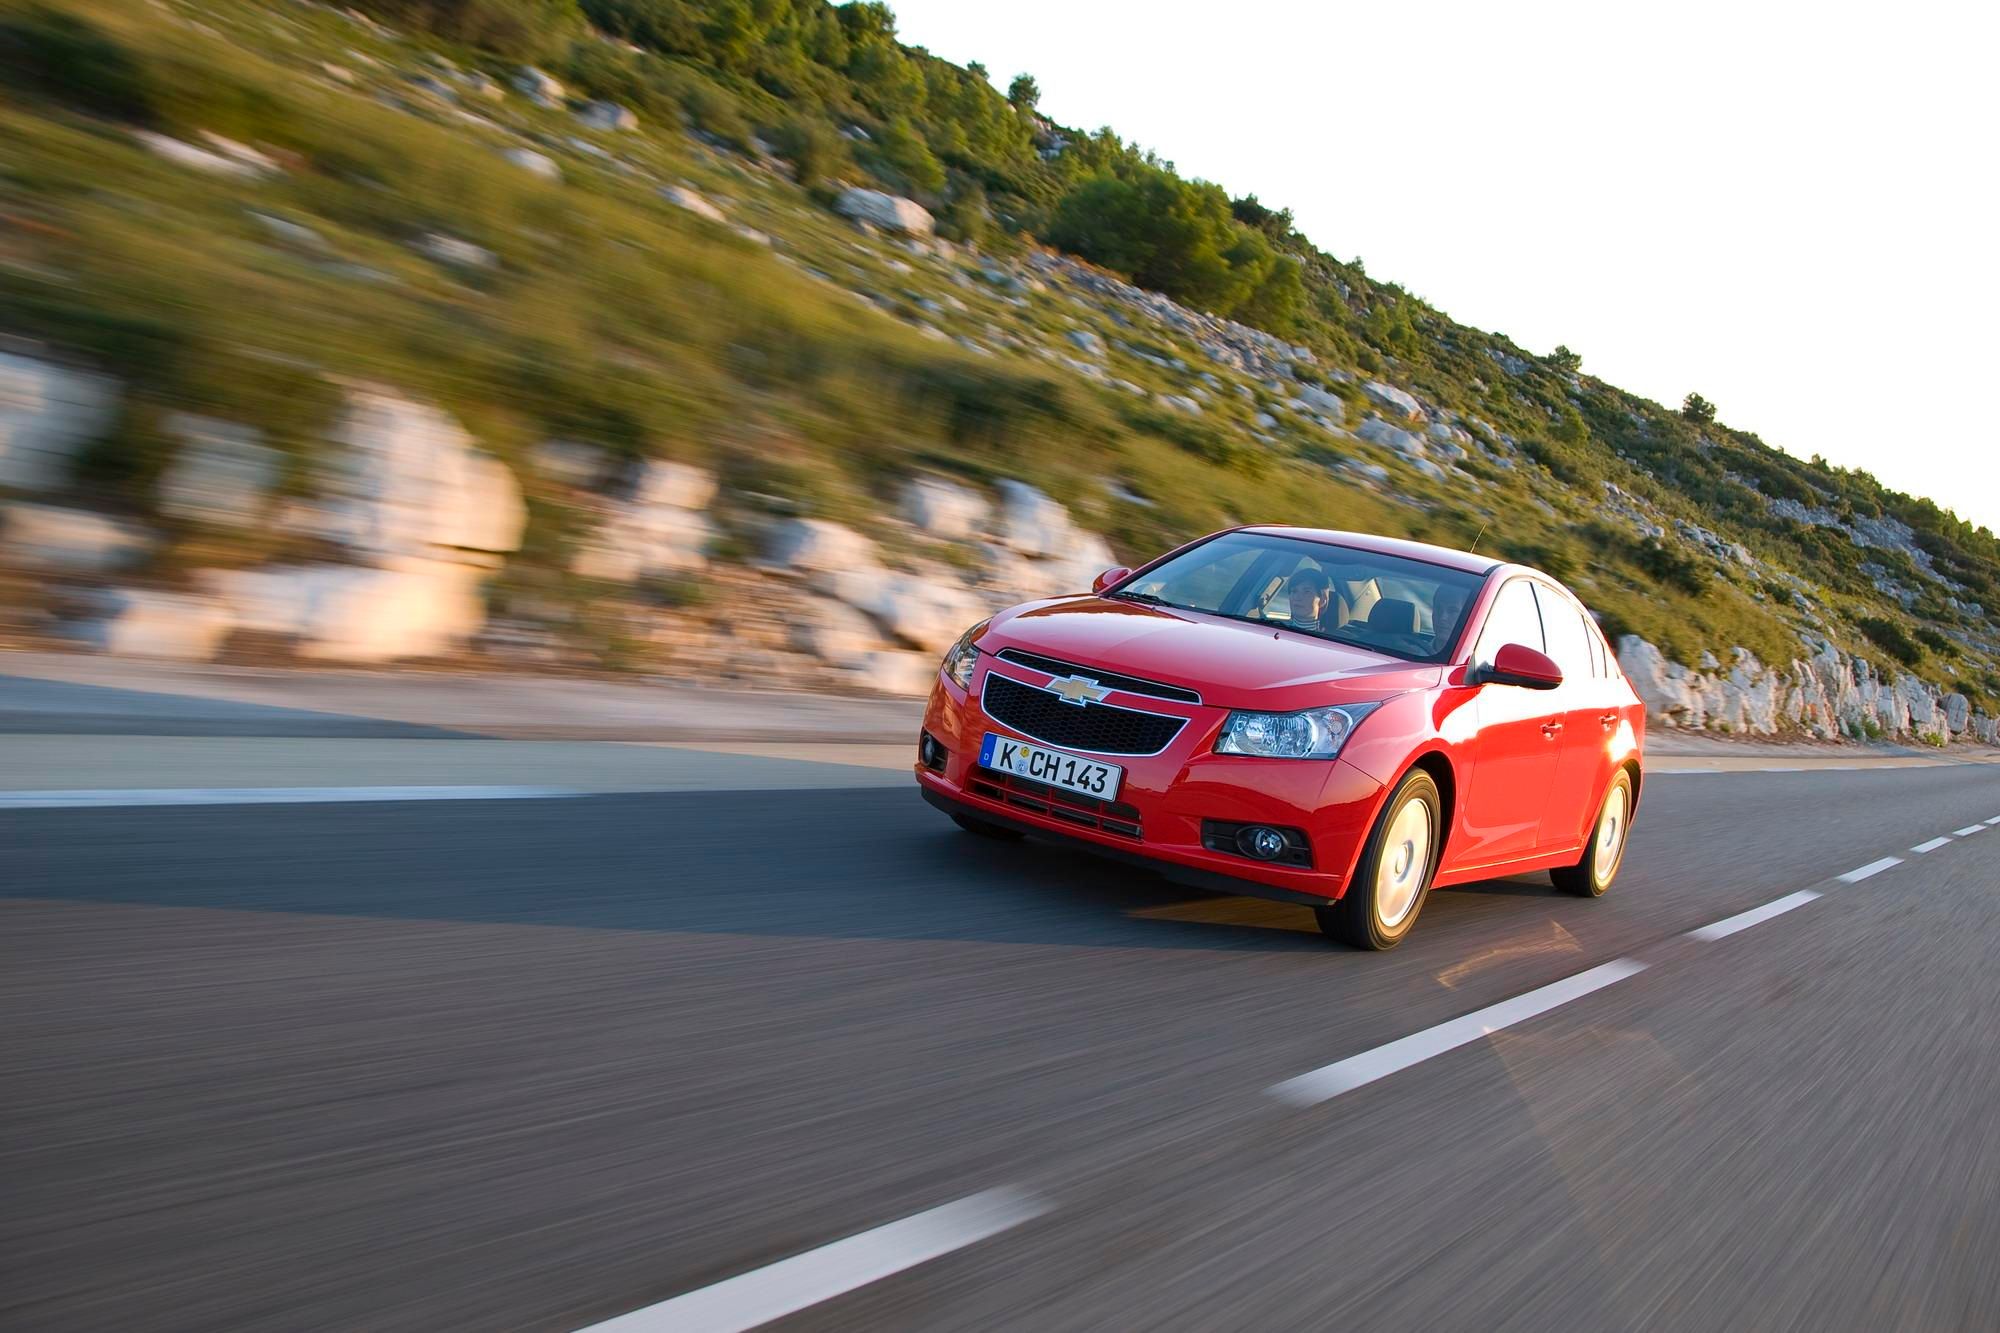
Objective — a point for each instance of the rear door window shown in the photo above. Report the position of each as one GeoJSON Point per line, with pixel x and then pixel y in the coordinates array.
{"type": "Point", "coordinates": [1512, 619]}
{"type": "Point", "coordinates": [1568, 640]}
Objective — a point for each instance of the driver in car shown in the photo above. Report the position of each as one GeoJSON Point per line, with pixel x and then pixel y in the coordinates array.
{"type": "Point", "coordinates": [1310, 593]}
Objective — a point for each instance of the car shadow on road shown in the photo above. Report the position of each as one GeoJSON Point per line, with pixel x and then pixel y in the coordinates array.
{"type": "Point", "coordinates": [847, 864]}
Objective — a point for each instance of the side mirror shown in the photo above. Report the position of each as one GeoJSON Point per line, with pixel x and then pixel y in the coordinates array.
{"type": "Point", "coordinates": [1518, 664]}
{"type": "Point", "coordinates": [1110, 576]}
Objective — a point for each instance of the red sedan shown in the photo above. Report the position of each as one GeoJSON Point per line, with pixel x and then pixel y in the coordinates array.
{"type": "Point", "coordinates": [1321, 717]}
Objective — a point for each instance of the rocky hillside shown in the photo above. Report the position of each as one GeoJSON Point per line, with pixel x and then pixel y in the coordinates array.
{"type": "Point", "coordinates": [690, 353]}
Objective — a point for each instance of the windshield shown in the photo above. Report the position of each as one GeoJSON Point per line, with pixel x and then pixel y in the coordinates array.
{"type": "Point", "coordinates": [1404, 608]}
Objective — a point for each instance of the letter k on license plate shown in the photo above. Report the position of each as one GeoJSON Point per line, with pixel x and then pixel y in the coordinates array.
{"type": "Point", "coordinates": [1086, 777]}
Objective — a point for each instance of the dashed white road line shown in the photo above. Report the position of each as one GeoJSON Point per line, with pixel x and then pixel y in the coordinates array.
{"type": "Point", "coordinates": [144, 796]}
{"type": "Point", "coordinates": [1968, 830]}
{"type": "Point", "coordinates": [793, 1284]}
{"type": "Point", "coordinates": [1359, 1070]}
{"type": "Point", "coordinates": [1329, 1081]}
{"type": "Point", "coordinates": [1729, 925]}
{"type": "Point", "coordinates": [1993, 822]}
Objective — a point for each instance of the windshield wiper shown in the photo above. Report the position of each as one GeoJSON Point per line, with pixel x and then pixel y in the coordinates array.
{"type": "Point", "coordinates": [1148, 598]}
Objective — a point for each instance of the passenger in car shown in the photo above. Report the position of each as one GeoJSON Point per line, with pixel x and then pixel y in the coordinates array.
{"type": "Point", "coordinates": [1447, 604]}
{"type": "Point", "coordinates": [1309, 592]}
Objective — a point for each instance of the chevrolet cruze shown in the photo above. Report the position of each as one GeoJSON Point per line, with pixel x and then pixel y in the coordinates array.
{"type": "Point", "coordinates": [1321, 717]}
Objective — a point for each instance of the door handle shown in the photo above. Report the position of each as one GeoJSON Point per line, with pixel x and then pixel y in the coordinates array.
{"type": "Point", "coordinates": [1551, 728]}
{"type": "Point", "coordinates": [1608, 721]}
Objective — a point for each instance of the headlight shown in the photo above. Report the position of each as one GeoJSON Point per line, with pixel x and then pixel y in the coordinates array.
{"type": "Point", "coordinates": [1313, 733]}
{"type": "Point", "coordinates": [962, 657]}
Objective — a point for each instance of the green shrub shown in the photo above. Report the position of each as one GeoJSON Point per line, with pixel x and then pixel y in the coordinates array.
{"type": "Point", "coordinates": [61, 58]}
{"type": "Point", "coordinates": [1670, 565]}
{"type": "Point", "coordinates": [1891, 638]}
{"type": "Point", "coordinates": [517, 29]}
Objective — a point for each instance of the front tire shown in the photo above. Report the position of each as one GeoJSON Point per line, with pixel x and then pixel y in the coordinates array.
{"type": "Point", "coordinates": [1605, 852]}
{"type": "Point", "coordinates": [1396, 869]}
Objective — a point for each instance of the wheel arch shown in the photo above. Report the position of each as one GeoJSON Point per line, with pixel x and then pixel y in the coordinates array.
{"type": "Point", "coordinates": [1630, 765]}
{"type": "Point", "coordinates": [1438, 764]}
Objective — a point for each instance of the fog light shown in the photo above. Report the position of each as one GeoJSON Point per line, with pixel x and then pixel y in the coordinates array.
{"type": "Point", "coordinates": [931, 754]}
{"type": "Point", "coordinates": [1266, 844]}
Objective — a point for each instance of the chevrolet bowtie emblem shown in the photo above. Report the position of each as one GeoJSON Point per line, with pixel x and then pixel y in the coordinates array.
{"type": "Point", "coordinates": [1078, 690]}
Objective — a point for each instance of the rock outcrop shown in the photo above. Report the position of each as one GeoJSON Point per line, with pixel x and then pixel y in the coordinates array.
{"type": "Point", "coordinates": [47, 413]}
{"type": "Point", "coordinates": [1825, 695]}
{"type": "Point", "coordinates": [48, 537]}
{"type": "Point", "coordinates": [223, 474]}
{"type": "Point", "coordinates": [661, 528]}
{"type": "Point", "coordinates": [890, 212]}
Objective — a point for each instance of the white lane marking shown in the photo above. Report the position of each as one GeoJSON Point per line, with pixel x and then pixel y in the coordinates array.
{"type": "Point", "coordinates": [1993, 822]}
{"type": "Point", "coordinates": [1729, 925]}
{"type": "Point", "coordinates": [1930, 846]}
{"type": "Point", "coordinates": [1670, 772]}
{"type": "Point", "coordinates": [804, 1280]}
{"type": "Point", "coordinates": [1859, 873]}
{"type": "Point", "coordinates": [103, 798]}
{"type": "Point", "coordinates": [1356, 1071]}
{"type": "Point", "coordinates": [1968, 830]}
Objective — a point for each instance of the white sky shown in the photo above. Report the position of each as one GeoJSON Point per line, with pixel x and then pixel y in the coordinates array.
{"type": "Point", "coordinates": [1788, 209]}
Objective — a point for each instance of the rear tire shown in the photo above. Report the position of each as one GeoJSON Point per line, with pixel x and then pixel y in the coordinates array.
{"type": "Point", "coordinates": [1605, 852]}
{"type": "Point", "coordinates": [975, 825]}
{"type": "Point", "coordinates": [1395, 872]}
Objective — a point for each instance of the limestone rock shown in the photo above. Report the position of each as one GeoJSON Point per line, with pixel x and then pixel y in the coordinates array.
{"type": "Point", "coordinates": [1032, 523]}
{"type": "Point", "coordinates": [454, 252]}
{"type": "Point", "coordinates": [891, 212]}
{"type": "Point", "coordinates": [73, 540]}
{"type": "Point", "coordinates": [47, 413]}
{"type": "Point", "coordinates": [1393, 400]}
{"type": "Point", "coordinates": [1319, 400]}
{"type": "Point", "coordinates": [223, 474]}
{"type": "Point", "coordinates": [943, 509]}
{"type": "Point", "coordinates": [1377, 431]}
{"type": "Point", "coordinates": [834, 632]}
{"type": "Point", "coordinates": [682, 197]}
{"type": "Point", "coordinates": [889, 671]}
{"type": "Point", "coordinates": [540, 164]}
{"type": "Point", "coordinates": [1957, 713]}
{"type": "Point", "coordinates": [408, 481]}
{"type": "Point", "coordinates": [659, 530]}
{"type": "Point", "coordinates": [813, 545]}
{"type": "Point", "coordinates": [923, 612]}
{"type": "Point", "coordinates": [141, 623]}
{"type": "Point", "coordinates": [571, 463]}
{"type": "Point", "coordinates": [405, 607]}
{"type": "Point", "coordinates": [674, 485]}
{"type": "Point", "coordinates": [607, 116]}
{"type": "Point", "coordinates": [224, 157]}
{"type": "Point", "coordinates": [538, 87]}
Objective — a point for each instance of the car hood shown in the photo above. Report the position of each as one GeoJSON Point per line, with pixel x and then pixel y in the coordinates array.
{"type": "Point", "coordinates": [1230, 662]}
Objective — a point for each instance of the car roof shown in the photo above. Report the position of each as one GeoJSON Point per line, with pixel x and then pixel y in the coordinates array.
{"type": "Point", "coordinates": [1364, 541]}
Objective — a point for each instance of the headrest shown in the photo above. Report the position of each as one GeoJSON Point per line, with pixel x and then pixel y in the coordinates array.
{"type": "Point", "coordinates": [1393, 616]}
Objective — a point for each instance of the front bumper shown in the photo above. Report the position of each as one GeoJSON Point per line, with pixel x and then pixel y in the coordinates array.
{"type": "Point", "coordinates": [1158, 815]}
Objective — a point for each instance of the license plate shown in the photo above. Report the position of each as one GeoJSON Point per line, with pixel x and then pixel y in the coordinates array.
{"type": "Point", "coordinates": [1086, 777]}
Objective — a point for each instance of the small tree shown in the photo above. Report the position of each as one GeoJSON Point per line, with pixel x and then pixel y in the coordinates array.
{"type": "Point", "coordinates": [911, 158]}
{"type": "Point", "coordinates": [1565, 360]}
{"type": "Point", "coordinates": [1697, 409]}
{"type": "Point", "coordinates": [1024, 93]}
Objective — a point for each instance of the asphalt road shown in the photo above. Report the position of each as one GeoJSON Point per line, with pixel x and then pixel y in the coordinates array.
{"type": "Point", "coordinates": [536, 1064]}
